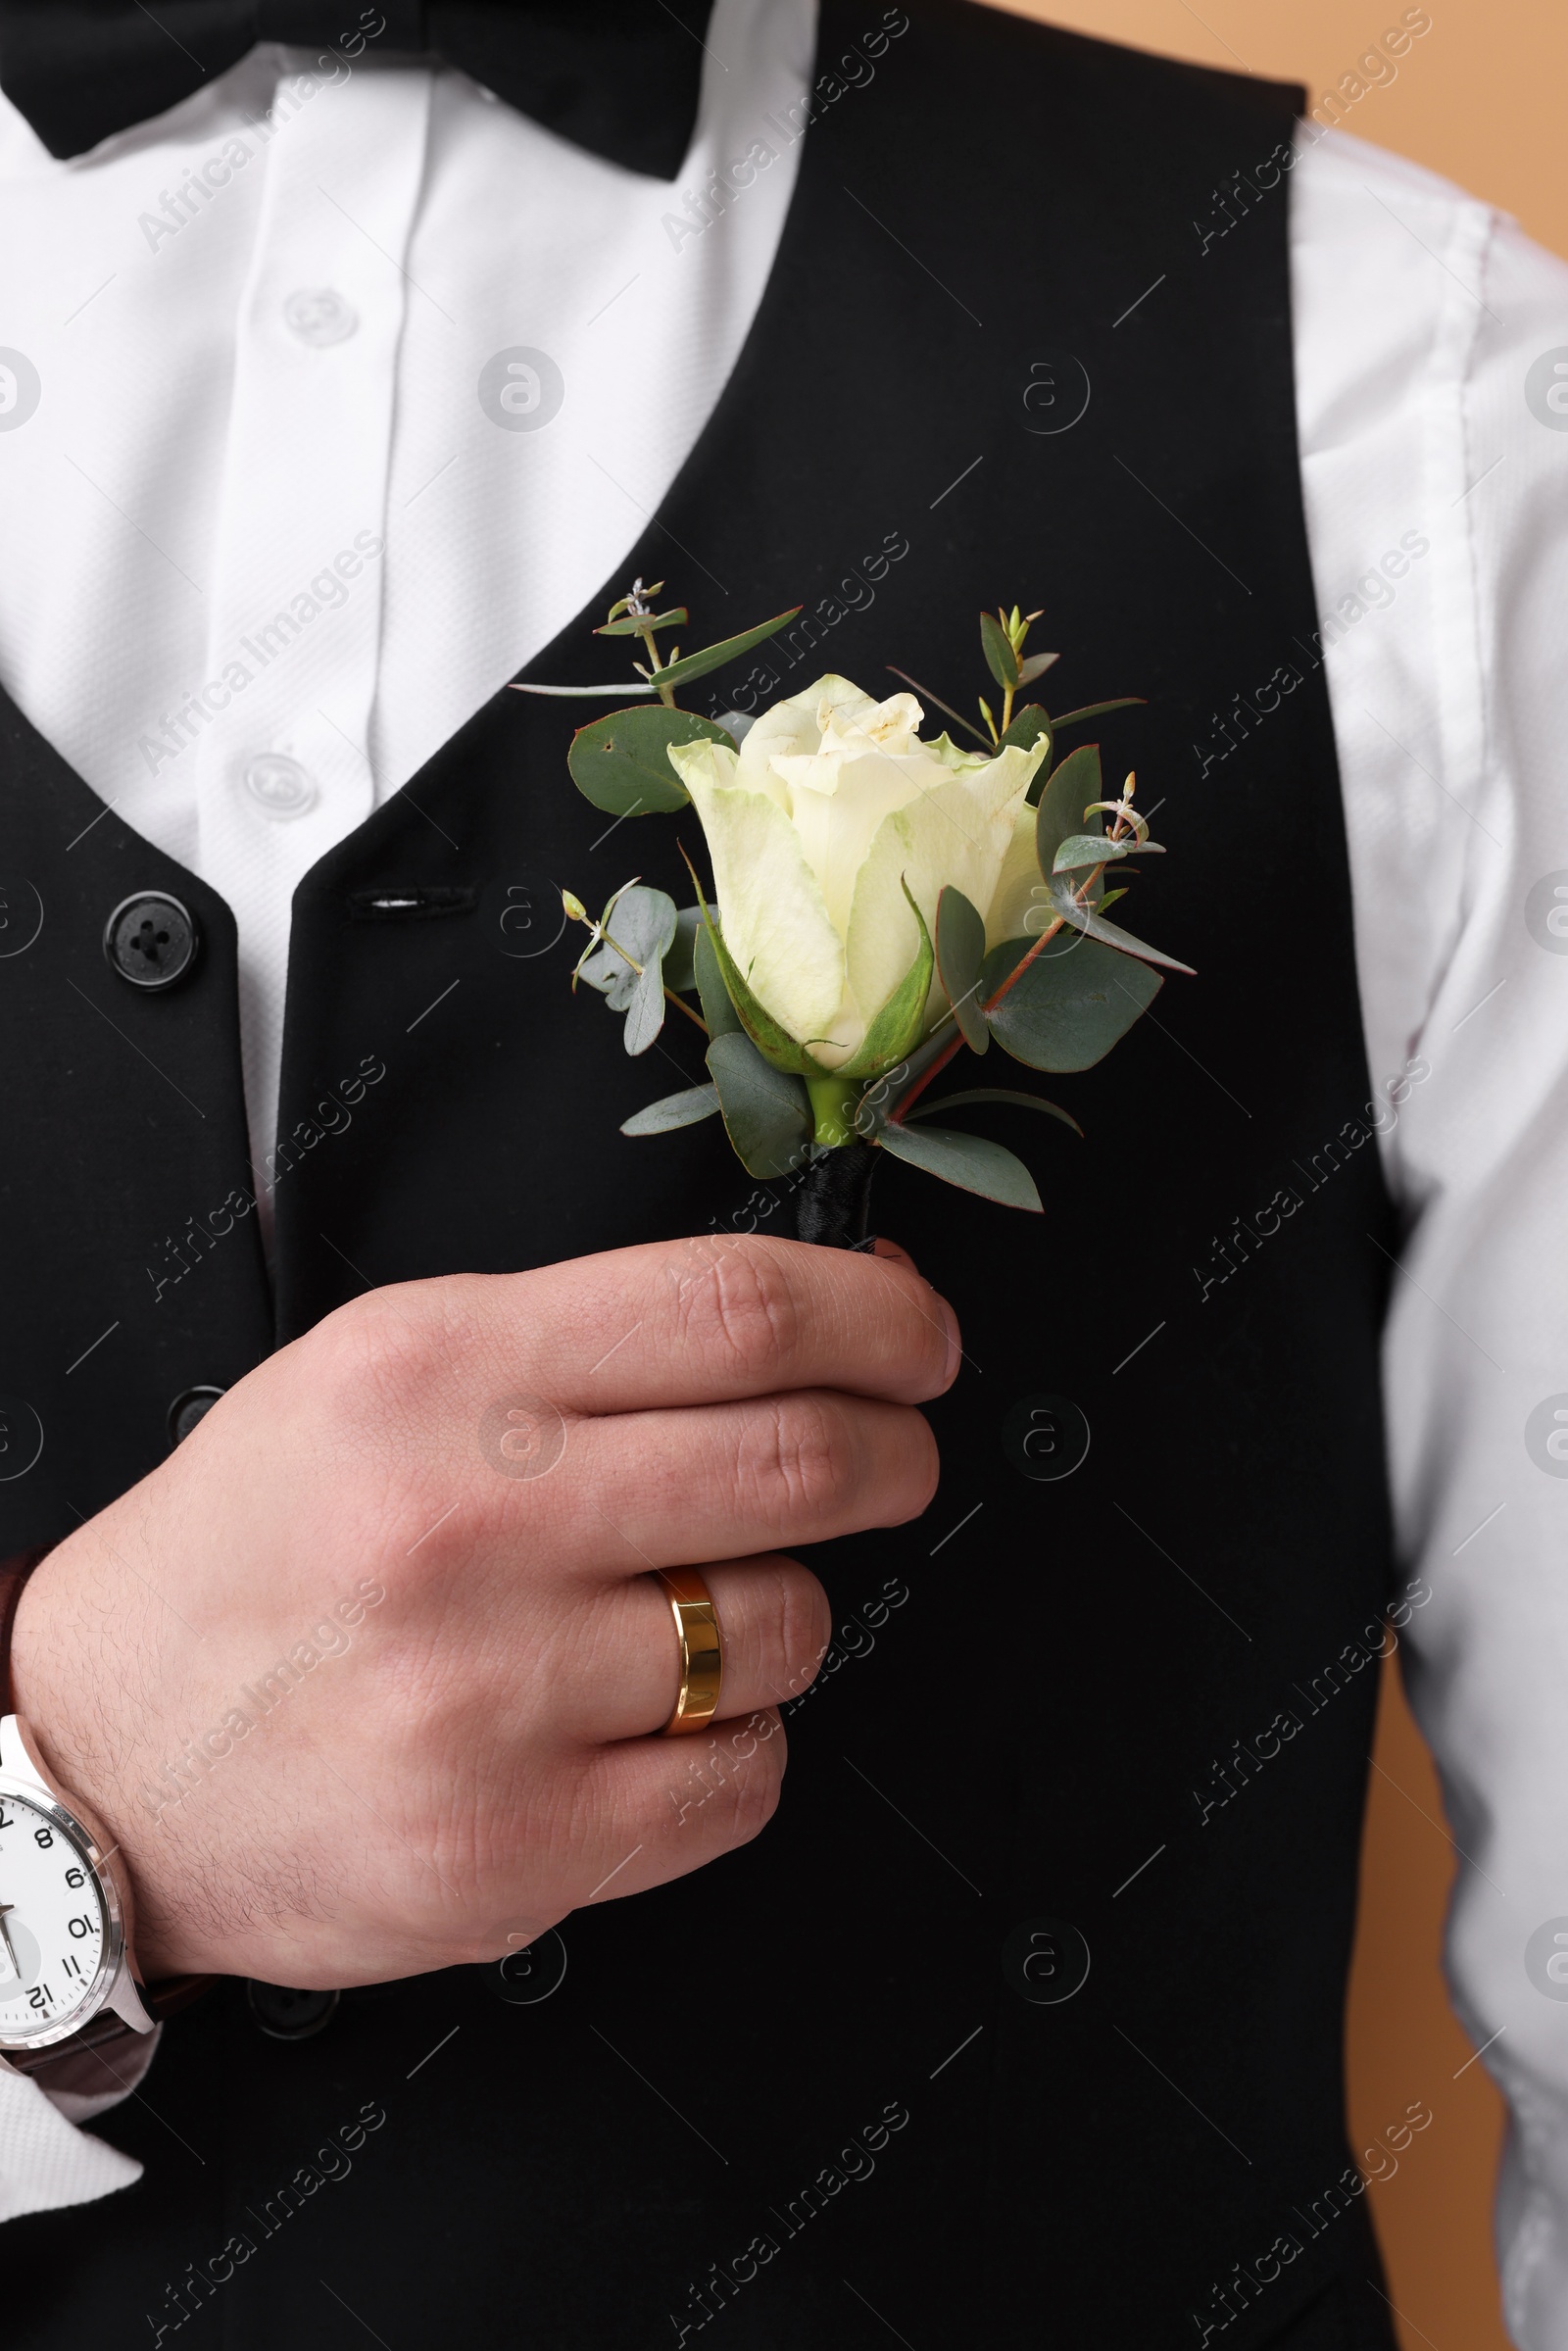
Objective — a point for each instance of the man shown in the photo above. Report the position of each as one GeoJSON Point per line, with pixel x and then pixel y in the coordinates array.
{"type": "Point", "coordinates": [347, 382]}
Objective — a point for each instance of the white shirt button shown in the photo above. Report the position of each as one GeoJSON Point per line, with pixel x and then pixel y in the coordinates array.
{"type": "Point", "coordinates": [281, 786]}
{"type": "Point", "coordinates": [320, 315]}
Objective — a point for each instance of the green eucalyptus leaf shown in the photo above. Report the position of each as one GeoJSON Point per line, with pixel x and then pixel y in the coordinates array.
{"type": "Point", "coordinates": [997, 646]}
{"type": "Point", "coordinates": [1097, 709]}
{"type": "Point", "coordinates": [971, 1161]}
{"type": "Point", "coordinates": [1082, 850]}
{"type": "Point", "coordinates": [1109, 897]}
{"type": "Point", "coordinates": [620, 763]}
{"type": "Point", "coordinates": [1028, 725]}
{"type": "Point", "coordinates": [645, 1015]}
{"type": "Point", "coordinates": [1091, 924]}
{"type": "Point", "coordinates": [719, 1013]}
{"type": "Point", "coordinates": [1025, 731]}
{"type": "Point", "coordinates": [995, 1094]}
{"type": "Point", "coordinates": [679, 970]}
{"type": "Point", "coordinates": [1071, 1006]}
{"type": "Point", "coordinates": [630, 627]}
{"type": "Point", "coordinates": [767, 1115]}
{"type": "Point", "coordinates": [683, 1109]}
{"type": "Point", "coordinates": [960, 952]}
{"type": "Point", "coordinates": [641, 921]}
{"type": "Point", "coordinates": [630, 685]}
{"type": "Point", "coordinates": [1036, 667]}
{"type": "Point", "coordinates": [714, 657]}
{"type": "Point", "coordinates": [1065, 796]}
{"type": "Point", "coordinates": [895, 1029]}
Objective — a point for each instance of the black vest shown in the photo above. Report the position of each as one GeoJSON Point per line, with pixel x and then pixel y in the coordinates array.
{"type": "Point", "coordinates": [850, 2085]}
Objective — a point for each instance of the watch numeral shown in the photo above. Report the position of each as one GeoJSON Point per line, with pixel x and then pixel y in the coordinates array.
{"type": "Point", "coordinates": [44, 1838]}
{"type": "Point", "coordinates": [73, 1965]}
{"type": "Point", "coordinates": [39, 1997]}
{"type": "Point", "coordinates": [75, 1879]}
{"type": "Point", "coordinates": [79, 1927]}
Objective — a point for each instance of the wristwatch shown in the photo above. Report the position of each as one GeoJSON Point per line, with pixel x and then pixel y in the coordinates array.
{"type": "Point", "coordinates": [67, 1974]}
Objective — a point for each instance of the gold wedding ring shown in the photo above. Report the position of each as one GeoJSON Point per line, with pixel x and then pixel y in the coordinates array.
{"type": "Point", "coordinates": [702, 1652]}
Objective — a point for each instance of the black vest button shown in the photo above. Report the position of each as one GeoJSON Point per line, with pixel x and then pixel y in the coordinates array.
{"type": "Point", "coordinates": [151, 940]}
{"type": "Point", "coordinates": [187, 1409]}
{"type": "Point", "coordinates": [284, 2014]}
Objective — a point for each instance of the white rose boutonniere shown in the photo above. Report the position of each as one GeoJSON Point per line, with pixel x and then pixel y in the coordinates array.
{"type": "Point", "coordinates": [881, 901]}
{"type": "Point", "coordinates": [833, 832]}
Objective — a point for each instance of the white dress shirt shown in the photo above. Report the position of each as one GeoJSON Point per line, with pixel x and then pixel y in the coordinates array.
{"type": "Point", "coordinates": [274, 397]}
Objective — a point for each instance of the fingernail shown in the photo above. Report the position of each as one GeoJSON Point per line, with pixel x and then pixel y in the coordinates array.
{"type": "Point", "coordinates": [949, 1371]}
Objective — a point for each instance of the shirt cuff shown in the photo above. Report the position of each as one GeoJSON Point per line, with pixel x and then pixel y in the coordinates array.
{"type": "Point", "coordinates": [46, 2160]}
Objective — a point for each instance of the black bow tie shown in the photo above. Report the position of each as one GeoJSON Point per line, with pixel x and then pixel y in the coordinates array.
{"type": "Point", "coordinates": [619, 77]}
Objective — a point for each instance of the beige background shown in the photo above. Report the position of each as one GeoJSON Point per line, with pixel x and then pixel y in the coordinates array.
{"type": "Point", "coordinates": [1479, 98]}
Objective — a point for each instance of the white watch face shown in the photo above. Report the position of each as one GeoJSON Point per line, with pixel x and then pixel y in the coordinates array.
{"type": "Point", "coordinates": [53, 1926]}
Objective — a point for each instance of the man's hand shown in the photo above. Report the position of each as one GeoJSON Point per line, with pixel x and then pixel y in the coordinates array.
{"type": "Point", "coordinates": [365, 1678]}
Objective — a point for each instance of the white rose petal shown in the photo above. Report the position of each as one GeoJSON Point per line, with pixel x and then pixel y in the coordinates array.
{"type": "Point", "coordinates": [1013, 899]}
{"type": "Point", "coordinates": [796, 725]}
{"type": "Point", "coordinates": [774, 923]}
{"type": "Point", "coordinates": [955, 834]}
{"type": "Point", "coordinates": [832, 805]}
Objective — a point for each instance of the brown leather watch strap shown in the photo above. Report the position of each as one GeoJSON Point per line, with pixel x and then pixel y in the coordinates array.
{"type": "Point", "coordinates": [160, 2000]}
{"type": "Point", "coordinates": [101, 2033]}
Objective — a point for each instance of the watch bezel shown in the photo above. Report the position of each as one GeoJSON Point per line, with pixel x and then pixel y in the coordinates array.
{"type": "Point", "coordinates": [79, 1837]}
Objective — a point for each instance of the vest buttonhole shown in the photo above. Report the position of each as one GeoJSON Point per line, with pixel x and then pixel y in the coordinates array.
{"type": "Point", "coordinates": [410, 902]}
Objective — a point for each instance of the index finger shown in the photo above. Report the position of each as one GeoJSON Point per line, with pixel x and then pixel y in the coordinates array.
{"type": "Point", "coordinates": [725, 1316]}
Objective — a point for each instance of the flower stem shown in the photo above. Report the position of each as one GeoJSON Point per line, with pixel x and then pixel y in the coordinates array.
{"type": "Point", "coordinates": [833, 1099]}
{"type": "Point", "coordinates": [645, 639]}
{"type": "Point", "coordinates": [682, 1005]}
{"type": "Point", "coordinates": [1022, 965]}
{"type": "Point", "coordinates": [1080, 897]}
{"type": "Point", "coordinates": [900, 1110]}
{"type": "Point", "coordinates": [630, 960]}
